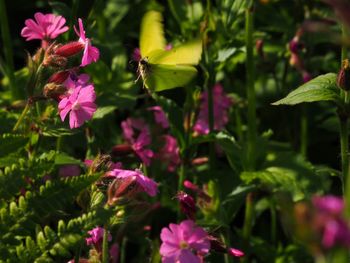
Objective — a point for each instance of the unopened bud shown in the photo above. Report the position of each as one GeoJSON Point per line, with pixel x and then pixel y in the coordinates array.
{"type": "Point", "coordinates": [59, 77]}
{"type": "Point", "coordinates": [306, 76]}
{"type": "Point", "coordinates": [122, 188]}
{"type": "Point", "coordinates": [200, 161]}
{"type": "Point", "coordinates": [259, 46]}
{"type": "Point", "coordinates": [296, 62]}
{"type": "Point", "coordinates": [54, 91]}
{"type": "Point", "coordinates": [187, 204]}
{"type": "Point", "coordinates": [343, 79]}
{"type": "Point", "coordinates": [55, 61]}
{"type": "Point", "coordinates": [122, 150]}
{"type": "Point", "coordinates": [295, 45]}
{"type": "Point", "coordinates": [235, 252]}
{"type": "Point", "coordinates": [101, 163]}
{"type": "Point", "coordinates": [69, 49]}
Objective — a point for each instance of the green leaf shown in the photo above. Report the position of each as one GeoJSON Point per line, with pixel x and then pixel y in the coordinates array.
{"type": "Point", "coordinates": [321, 88]}
{"type": "Point", "coordinates": [11, 143]}
{"type": "Point", "coordinates": [276, 179]}
{"type": "Point", "coordinates": [103, 111]}
{"type": "Point", "coordinates": [63, 158]}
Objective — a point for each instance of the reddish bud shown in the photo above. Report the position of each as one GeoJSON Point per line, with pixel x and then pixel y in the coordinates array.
{"type": "Point", "coordinates": [59, 77]}
{"type": "Point", "coordinates": [187, 204]}
{"type": "Point", "coordinates": [235, 252]}
{"type": "Point", "coordinates": [191, 186]}
{"type": "Point", "coordinates": [343, 78]}
{"type": "Point", "coordinates": [306, 76]}
{"type": "Point", "coordinates": [296, 62]}
{"type": "Point", "coordinates": [122, 149]}
{"type": "Point", "coordinates": [69, 49]}
{"type": "Point", "coordinates": [200, 161]}
{"type": "Point", "coordinates": [295, 45]}
{"type": "Point", "coordinates": [119, 188]}
{"type": "Point", "coordinates": [259, 45]}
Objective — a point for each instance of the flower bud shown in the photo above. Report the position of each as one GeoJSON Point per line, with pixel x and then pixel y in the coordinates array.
{"type": "Point", "coordinates": [296, 62]}
{"type": "Point", "coordinates": [187, 204]}
{"type": "Point", "coordinates": [235, 252]}
{"type": "Point", "coordinates": [259, 46]}
{"type": "Point", "coordinates": [199, 161]}
{"type": "Point", "coordinates": [59, 77]}
{"type": "Point", "coordinates": [101, 163]}
{"type": "Point", "coordinates": [122, 150]}
{"type": "Point", "coordinates": [69, 49]}
{"type": "Point", "coordinates": [54, 61]}
{"type": "Point", "coordinates": [120, 188]}
{"type": "Point", "coordinates": [54, 91]}
{"type": "Point", "coordinates": [343, 78]}
{"type": "Point", "coordinates": [306, 76]}
{"type": "Point", "coordinates": [295, 45]}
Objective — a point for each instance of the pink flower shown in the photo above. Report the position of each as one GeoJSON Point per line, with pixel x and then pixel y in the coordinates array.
{"type": "Point", "coordinates": [146, 184]}
{"type": "Point", "coordinates": [80, 104]}
{"type": "Point", "coordinates": [159, 116]}
{"type": "Point", "coordinates": [221, 104]}
{"type": "Point", "coordinates": [44, 27]}
{"type": "Point", "coordinates": [137, 133]}
{"type": "Point", "coordinates": [91, 53]}
{"type": "Point", "coordinates": [169, 153]}
{"type": "Point", "coordinates": [329, 221]}
{"type": "Point", "coordinates": [182, 243]}
{"type": "Point", "coordinates": [96, 237]}
{"type": "Point", "coordinates": [75, 80]}
{"type": "Point", "coordinates": [329, 204]}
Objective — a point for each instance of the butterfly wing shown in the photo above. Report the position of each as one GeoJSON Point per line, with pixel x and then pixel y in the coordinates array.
{"type": "Point", "coordinates": [152, 33]}
{"type": "Point", "coordinates": [162, 77]}
{"type": "Point", "coordinates": [188, 54]}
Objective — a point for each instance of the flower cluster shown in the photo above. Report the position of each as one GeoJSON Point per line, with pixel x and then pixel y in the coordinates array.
{"type": "Point", "coordinates": [221, 104]}
{"type": "Point", "coordinates": [138, 135]}
{"type": "Point", "coordinates": [75, 95]}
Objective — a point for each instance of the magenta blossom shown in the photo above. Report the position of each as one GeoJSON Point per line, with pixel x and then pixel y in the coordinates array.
{"type": "Point", "coordinates": [329, 221]}
{"type": "Point", "coordinates": [80, 104]}
{"type": "Point", "coordinates": [170, 152]}
{"type": "Point", "coordinates": [159, 116]}
{"type": "Point", "coordinates": [182, 243]}
{"type": "Point", "coordinates": [96, 237]}
{"type": "Point", "coordinates": [221, 104]}
{"type": "Point", "coordinates": [137, 134]}
{"type": "Point", "coordinates": [75, 80]}
{"type": "Point", "coordinates": [329, 204]}
{"type": "Point", "coordinates": [45, 27]}
{"type": "Point", "coordinates": [91, 53]}
{"type": "Point", "coordinates": [146, 184]}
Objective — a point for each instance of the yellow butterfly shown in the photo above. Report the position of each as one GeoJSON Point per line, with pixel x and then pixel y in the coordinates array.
{"type": "Point", "coordinates": [163, 69]}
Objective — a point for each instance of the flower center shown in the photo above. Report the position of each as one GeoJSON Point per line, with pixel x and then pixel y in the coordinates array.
{"type": "Point", "coordinates": [76, 106]}
{"type": "Point", "coordinates": [183, 245]}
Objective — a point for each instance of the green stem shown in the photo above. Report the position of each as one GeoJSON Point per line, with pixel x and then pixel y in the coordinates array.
{"type": "Point", "coordinates": [123, 251]}
{"type": "Point", "coordinates": [273, 222]}
{"type": "Point", "coordinates": [303, 131]}
{"type": "Point", "coordinates": [251, 145]}
{"type": "Point", "coordinates": [105, 254]}
{"type": "Point", "coordinates": [21, 117]}
{"type": "Point", "coordinates": [7, 43]}
{"type": "Point", "coordinates": [248, 222]}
